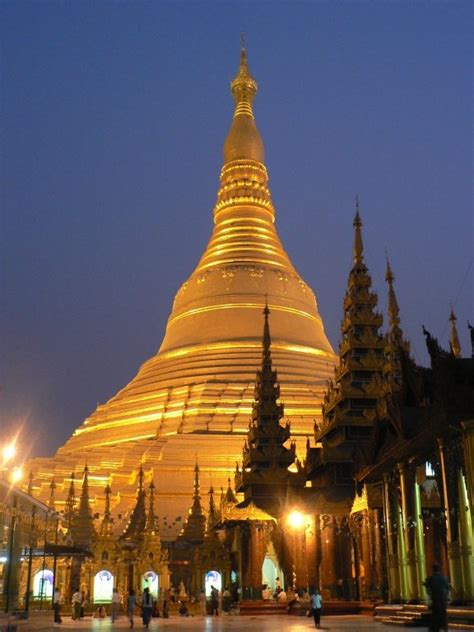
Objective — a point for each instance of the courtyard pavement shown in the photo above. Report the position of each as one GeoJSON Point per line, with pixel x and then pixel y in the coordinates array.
{"type": "Point", "coordinates": [232, 623]}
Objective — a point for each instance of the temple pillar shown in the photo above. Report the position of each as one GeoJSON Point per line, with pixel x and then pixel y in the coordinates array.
{"type": "Point", "coordinates": [311, 552]}
{"type": "Point", "coordinates": [419, 543]}
{"type": "Point", "coordinates": [408, 529]}
{"type": "Point", "coordinates": [466, 539]}
{"type": "Point", "coordinates": [468, 448]}
{"type": "Point", "coordinates": [328, 554]}
{"type": "Point", "coordinates": [366, 554]}
{"type": "Point", "coordinates": [451, 511]}
{"type": "Point", "coordinates": [391, 540]}
{"type": "Point", "coordinates": [378, 552]}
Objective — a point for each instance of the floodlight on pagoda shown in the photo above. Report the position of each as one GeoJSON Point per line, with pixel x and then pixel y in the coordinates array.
{"type": "Point", "coordinates": [296, 519]}
{"type": "Point", "coordinates": [16, 475]}
{"type": "Point", "coordinates": [8, 452]}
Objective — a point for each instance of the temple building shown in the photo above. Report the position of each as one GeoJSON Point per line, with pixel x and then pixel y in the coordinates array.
{"type": "Point", "coordinates": [353, 474]}
{"type": "Point", "coordinates": [195, 395]}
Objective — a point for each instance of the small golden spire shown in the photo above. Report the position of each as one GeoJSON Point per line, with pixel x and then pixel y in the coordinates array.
{"type": "Point", "coordinates": [358, 249]}
{"type": "Point", "coordinates": [243, 87]}
{"type": "Point", "coordinates": [454, 340]}
{"type": "Point", "coordinates": [392, 307]}
{"type": "Point", "coordinates": [243, 141]}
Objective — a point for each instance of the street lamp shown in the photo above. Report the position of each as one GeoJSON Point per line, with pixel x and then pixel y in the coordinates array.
{"type": "Point", "coordinates": [296, 519]}
{"type": "Point", "coordinates": [16, 475]}
{"type": "Point", "coordinates": [8, 452]}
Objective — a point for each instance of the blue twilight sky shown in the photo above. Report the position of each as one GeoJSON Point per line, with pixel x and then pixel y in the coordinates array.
{"type": "Point", "coordinates": [113, 118]}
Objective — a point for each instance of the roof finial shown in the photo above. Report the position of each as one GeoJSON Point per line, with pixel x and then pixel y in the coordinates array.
{"type": "Point", "coordinates": [358, 244]}
{"type": "Point", "coordinates": [243, 87]}
{"type": "Point", "coordinates": [392, 306]}
{"type": "Point", "coordinates": [243, 140]}
{"type": "Point", "coordinates": [454, 339]}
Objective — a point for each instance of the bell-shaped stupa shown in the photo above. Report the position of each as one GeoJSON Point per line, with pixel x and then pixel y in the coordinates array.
{"type": "Point", "coordinates": [194, 397]}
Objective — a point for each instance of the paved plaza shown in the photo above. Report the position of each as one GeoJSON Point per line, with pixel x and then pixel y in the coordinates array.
{"type": "Point", "coordinates": [212, 624]}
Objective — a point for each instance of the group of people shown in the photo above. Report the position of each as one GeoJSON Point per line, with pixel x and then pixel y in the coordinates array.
{"type": "Point", "coordinates": [437, 586]}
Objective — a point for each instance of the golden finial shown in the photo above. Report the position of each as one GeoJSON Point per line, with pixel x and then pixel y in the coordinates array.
{"type": "Point", "coordinates": [243, 87]}
{"type": "Point", "coordinates": [243, 140]}
{"type": "Point", "coordinates": [358, 244]}
{"type": "Point", "coordinates": [392, 305]}
{"type": "Point", "coordinates": [454, 340]}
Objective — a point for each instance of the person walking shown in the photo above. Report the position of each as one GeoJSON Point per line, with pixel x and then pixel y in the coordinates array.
{"type": "Point", "coordinates": [147, 607]}
{"type": "Point", "coordinates": [116, 601]}
{"type": "Point", "coordinates": [131, 603]}
{"type": "Point", "coordinates": [316, 606]}
{"type": "Point", "coordinates": [438, 589]}
{"type": "Point", "coordinates": [76, 604]}
{"type": "Point", "coordinates": [214, 601]}
{"type": "Point", "coordinates": [57, 605]}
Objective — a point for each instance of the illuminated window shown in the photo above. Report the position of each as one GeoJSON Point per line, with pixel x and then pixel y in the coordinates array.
{"type": "Point", "coordinates": [429, 469]}
{"type": "Point", "coordinates": [103, 587]}
{"type": "Point", "coordinates": [43, 583]}
{"type": "Point", "coordinates": [213, 578]}
{"type": "Point", "coordinates": [150, 580]}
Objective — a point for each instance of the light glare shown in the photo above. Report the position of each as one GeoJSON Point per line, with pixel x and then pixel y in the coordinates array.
{"type": "Point", "coordinates": [296, 519]}
{"type": "Point", "coordinates": [9, 452]}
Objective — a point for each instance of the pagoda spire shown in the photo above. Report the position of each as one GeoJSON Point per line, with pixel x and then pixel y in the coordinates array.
{"type": "Point", "coordinates": [52, 501]}
{"type": "Point", "coordinates": [195, 526]}
{"type": "Point", "coordinates": [229, 496]}
{"type": "Point", "coordinates": [454, 338]}
{"type": "Point", "coordinates": [265, 457]}
{"type": "Point", "coordinates": [136, 524]}
{"type": "Point", "coordinates": [393, 309]}
{"type": "Point", "coordinates": [106, 526]}
{"type": "Point", "coordinates": [395, 342]}
{"type": "Point", "coordinates": [151, 517]}
{"type": "Point", "coordinates": [212, 513]}
{"type": "Point", "coordinates": [243, 141]}
{"type": "Point", "coordinates": [196, 507]}
{"type": "Point", "coordinates": [70, 503]}
{"type": "Point", "coordinates": [82, 528]}
{"type": "Point", "coordinates": [352, 396]}
{"type": "Point", "coordinates": [358, 249]}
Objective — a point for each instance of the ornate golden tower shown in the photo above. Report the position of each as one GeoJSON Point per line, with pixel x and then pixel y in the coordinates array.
{"type": "Point", "coordinates": [195, 395]}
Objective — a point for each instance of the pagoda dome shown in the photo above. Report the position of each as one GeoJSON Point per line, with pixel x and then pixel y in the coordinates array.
{"type": "Point", "coordinates": [195, 395]}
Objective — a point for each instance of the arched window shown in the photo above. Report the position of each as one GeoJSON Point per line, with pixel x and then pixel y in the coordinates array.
{"type": "Point", "coordinates": [43, 583]}
{"type": "Point", "coordinates": [151, 580]}
{"type": "Point", "coordinates": [103, 587]}
{"type": "Point", "coordinates": [213, 578]}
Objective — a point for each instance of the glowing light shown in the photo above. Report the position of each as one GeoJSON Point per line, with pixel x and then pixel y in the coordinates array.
{"type": "Point", "coordinates": [296, 519]}
{"type": "Point", "coordinates": [9, 452]}
{"type": "Point", "coordinates": [16, 475]}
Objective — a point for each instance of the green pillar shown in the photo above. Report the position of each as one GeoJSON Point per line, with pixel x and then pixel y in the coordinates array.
{"type": "Point", "coordinates": [391, 543]}
{"type": "Point", "coordinates": [420, 545]}
{"type": "Point", "coordinates": [408, 532]}
{"type": "Point", "coordinates": [466, 540]}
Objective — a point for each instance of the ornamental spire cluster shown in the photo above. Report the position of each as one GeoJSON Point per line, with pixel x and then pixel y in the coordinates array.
{"type": "Point", "coordinates": [351, 398]}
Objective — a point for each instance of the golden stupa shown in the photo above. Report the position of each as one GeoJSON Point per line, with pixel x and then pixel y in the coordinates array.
{"type": "Point", "coordinates": [194, 397]}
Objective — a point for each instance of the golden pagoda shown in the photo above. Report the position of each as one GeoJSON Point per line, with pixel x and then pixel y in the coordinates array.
{"type": "Point", "coordinates": [194, 397]}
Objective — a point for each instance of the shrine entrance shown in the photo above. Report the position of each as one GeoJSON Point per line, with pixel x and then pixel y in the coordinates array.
{"type": "Point", "coordinates": [103, 587]}
{"type": "Point", "coordinates": [271, 570]}
{"type": "Point", "coordinates": [150, 580]}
